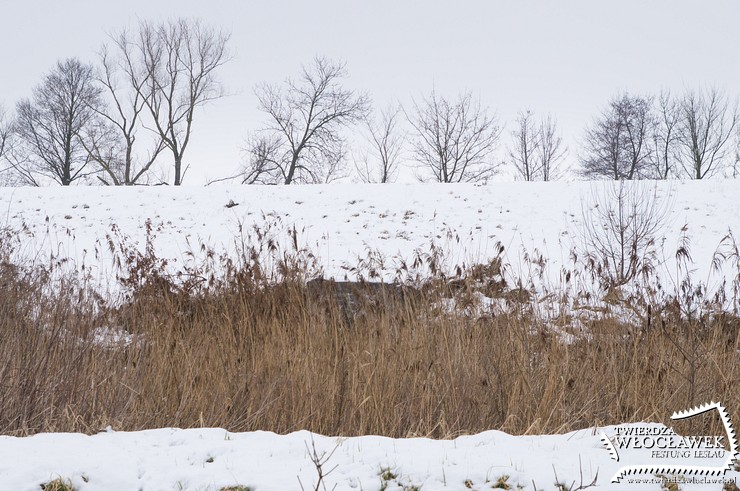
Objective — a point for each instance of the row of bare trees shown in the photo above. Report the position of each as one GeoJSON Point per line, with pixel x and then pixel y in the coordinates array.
{"type": "Point", "coordinates": [110, 122]}
{"type": "Point", "coordinates": [694, 135]}
{"type": "Point", "coordinates": [305, 140]}
{"type": "Point", "coordinates": [113, 121]}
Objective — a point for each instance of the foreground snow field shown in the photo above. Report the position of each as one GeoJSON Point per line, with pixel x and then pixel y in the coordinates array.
{"type": "Point", "coordinates": [209, 459]}
{"type": "Point", "coordinates": [338, 224]}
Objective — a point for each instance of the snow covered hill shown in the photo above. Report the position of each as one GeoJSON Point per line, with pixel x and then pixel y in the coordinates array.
{"type": "Point", "coordinates": [340, 224]}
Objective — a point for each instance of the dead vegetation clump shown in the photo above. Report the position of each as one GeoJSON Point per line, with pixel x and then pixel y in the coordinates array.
{"type": "Point", "coordinates": [258, 345]}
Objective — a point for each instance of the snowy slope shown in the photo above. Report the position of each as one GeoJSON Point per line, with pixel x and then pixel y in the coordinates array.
{"type": "Point", "coordinates": [341, 223]}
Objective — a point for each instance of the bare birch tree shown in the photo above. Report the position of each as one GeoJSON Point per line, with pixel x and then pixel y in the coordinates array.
{"type": "Point", "coordinates": [50, 124]}
{"type": "Point", "coordinates": [261, 164]}
{"type": "Point", "coordinates": [617, 145]}
{"type": "Point", "coordinates": [454, 141]}
{"type": "Point", "coordinates": [173, 69]}
{"type": "Point", "coordinates": [303, 142]}
{"type": "Point", "coordinates": [386, 142]}
{"type": "Point", "coordinates": [708, 122]}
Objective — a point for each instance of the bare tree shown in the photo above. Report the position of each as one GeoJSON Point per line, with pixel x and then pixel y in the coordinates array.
{"type": "Point", "coordinates": [112, 144]}
{"type": "Point", "coordinates": [552, 150]}
{"type": "Point", "coordinates": [386, 142]}
{"type": "Point", "coordinates": [537, 150]}
{"type": "Point", "coordinates": [172, 67]}
{"type": "Point", "coordinates": [603, 147]}
{"type": "Point", "coordinates": [303, 142]}
{"type": "Point", "coordinates": [49, 126]}
{"type": "Point", "coordinates": [618, 143]}
{"type": "Point", "coordinates": [665, 137]}
{"type": "Point", "coordinates": [708, 121]}
{"type": "Point", "coordinates": [621, 227]}
{"type": "Point", "coordinates": [454, 140]}
{"type": "Point", "coordinates": [526, 141]}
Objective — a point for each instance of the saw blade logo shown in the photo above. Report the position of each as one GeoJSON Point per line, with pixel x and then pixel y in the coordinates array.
{"type": "Point", "coordinates": [670, 453]}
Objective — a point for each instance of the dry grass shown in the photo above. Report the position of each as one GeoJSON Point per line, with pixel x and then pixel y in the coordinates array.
{"type": "Point", "coordinates": [57, 485]}
{"type": "Point", "coordinates": [252, 354]}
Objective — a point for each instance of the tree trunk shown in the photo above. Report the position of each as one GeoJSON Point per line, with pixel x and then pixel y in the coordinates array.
{"type": "Point", "coordinates": [291, 171]}
{"type": "Point", "coordinates": [178, 169]}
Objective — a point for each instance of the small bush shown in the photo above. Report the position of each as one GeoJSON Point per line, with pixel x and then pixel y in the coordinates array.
{"type": "Point", "coordinates": [619, 232]}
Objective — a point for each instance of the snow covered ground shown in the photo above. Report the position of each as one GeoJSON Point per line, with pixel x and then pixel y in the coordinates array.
{"type": "Point", "coordinates": [339, 224]}
{"type": "Point", "coordinates": [209, 459]}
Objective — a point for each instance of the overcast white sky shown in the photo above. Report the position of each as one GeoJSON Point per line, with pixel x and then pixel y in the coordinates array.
{"type": "Point", "coordinates": [563, 57]}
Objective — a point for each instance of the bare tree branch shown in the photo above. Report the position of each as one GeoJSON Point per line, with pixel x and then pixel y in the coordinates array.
{"type": "Point", "coordinates": [263, 161]}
